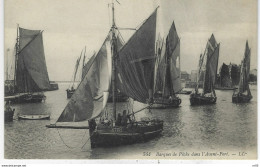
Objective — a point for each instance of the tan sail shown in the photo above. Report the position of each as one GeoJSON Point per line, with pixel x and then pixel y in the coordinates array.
{"type": "Point", "coordinates": [31, 72]}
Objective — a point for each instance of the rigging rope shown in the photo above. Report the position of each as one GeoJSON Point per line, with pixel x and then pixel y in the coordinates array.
{"type": "Point", "coordinates": [71, 146]}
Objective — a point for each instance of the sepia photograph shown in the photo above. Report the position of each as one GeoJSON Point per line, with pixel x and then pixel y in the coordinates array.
{"type": "Point", "coordinates": [128, 79]}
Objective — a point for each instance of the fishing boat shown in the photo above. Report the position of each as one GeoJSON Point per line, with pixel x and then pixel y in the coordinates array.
{"type": "Point", "coordinates": [31, 76]}
{"type": "Point", "coordinates": [8, 112]}
{"type": "Point", "coordinates": [134, 64]}
{"type": "Point", "coordinates": [167, 71]}
{"type": "Point", "coordinates": [71, 88]}
{"type": "Point", "coordinates": [54, 86]}
{"type": "Point", "coordinates": [33, 117]}
{"type": "Point", "coordinates": [243, 95]}
{"type": "Point", "coordinates": [208, 64]}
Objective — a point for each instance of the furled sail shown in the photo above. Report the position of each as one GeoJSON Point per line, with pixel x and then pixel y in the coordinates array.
{"type": "Point", "coordinates": [90, 98]}
{"type": "Point", "coordinates": [31, 72]}
{"type": "Point", "coordinates": [136, 61]}
{"type": "Point", "coordinates": [244, 73]}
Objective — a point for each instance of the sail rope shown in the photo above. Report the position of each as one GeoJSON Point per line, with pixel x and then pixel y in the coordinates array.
{"type": "Point", "coordinates": [71, 147]}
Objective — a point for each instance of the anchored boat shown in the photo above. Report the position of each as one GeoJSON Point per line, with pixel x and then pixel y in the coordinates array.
{"type": "Point", "coordinates": [31, 76]}
{"type": "Point", "coordinates": [71, 88]}
{"type": "Point", "coordinates": [243, 95]}
{"type": "Point", "coordinates": [208, 65]}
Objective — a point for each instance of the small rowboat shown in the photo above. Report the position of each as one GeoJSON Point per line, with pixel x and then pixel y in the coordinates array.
{"type": "Point", "coordinates": [33, 117]}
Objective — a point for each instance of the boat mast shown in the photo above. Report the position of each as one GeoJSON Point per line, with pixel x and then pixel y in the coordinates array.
{"type": "Point", "coordinates": [16, 56]}
{"type": "Point", "coordinates": [114, 57]}
{"type": "Point", "coordinates": [7, 78]}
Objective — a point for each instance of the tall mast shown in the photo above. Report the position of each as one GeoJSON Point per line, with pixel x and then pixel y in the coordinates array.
{"type": "Point", "coordinates": [16, 56]}
{"type": "Point", "coordinates": [7, 78]}
{"type": "Point", "coordinates": [114, 56]}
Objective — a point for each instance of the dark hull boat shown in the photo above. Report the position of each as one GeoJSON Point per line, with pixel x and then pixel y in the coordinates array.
{"type": "Point", "coordinates": [224, 88]}
{"type": "Point", "coordinates": [134, 133]}
{"type": "Point", "coordinates": [167, 71]}
{"type": "Point", "coordinates": [241, 96]}
{"type": "Point", "coordinates": [185, 92]}
{"type": "Point", "coordinates": [89, 101]}
{"type": "Point", "coordinates": [198, 99]}
{"type": "Point", "coordinates": [208, 64]}
{"type": "Point", "coordinates": [35, 97]}
{"type": "Point", "coordinates": [162, 103]}
{"type": "Point", "coordinates": [31, 76]}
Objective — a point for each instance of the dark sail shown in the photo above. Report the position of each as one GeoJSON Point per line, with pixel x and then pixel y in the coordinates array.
{"type": "Point", "coordinates": [31, 72]}
{"type": "Point", "coordinates": [136, 61]}
{"type": "Point", "coordinates": [211, 57]}
{"type": "Point", "coordinates": [244, 72]}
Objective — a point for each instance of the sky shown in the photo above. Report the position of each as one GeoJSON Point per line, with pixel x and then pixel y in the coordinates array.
{"type": "Point", "coordinates": [70, 25]}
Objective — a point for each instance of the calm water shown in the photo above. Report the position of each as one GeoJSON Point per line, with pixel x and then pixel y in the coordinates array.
{"type": "Point", "coordinates": [224, 127]}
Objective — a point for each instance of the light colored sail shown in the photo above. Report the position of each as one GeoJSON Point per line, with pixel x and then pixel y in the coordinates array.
{"type": "Point", "coordinates": [31, 71]}
{"type": "Point", "coordinates": [90, 98]}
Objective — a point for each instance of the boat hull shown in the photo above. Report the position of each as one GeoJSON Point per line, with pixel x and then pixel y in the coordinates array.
{"type": "Point", "coordinates": [225, 88]}
{"type": "Point", "coordinates": [69, 93]}
{"type": "Point", "coordinates": [26, 98]}
{"type": "Point", "coordinates": [162, 103]}
{"type": "Point", "coordinates": [116, 136]}
{"type": "Point", "coordinates": [240, 98]}
{"type": "Point", "coordinates": [9, 115]}
{"type": "Point", "coordinates": [197, 99]}
{"type": "Point", "coordinates": [33, 117]}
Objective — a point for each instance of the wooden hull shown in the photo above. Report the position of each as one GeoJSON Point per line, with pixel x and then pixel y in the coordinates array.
{"type": "Point", "coordinates": [116, 136]}
{"type": "Point", "coordinates": [184, 92]}
{"type": "Point", "coordinates": [197, 99]}
{"type": "Point", "coordinates": [162, 103]}
{"type": "Point", "coordinates": [26, 98]}
{"type": "Point", "coordinates": [33, 117]}
{"type": "Point", "coordinates": [69, 93]}
{"type": "Point", "coordinates": [9, 115]}
{"type": "Point", "coordinates": [240, 98]}
{"type": "Point", "coordinates": [225, 88]}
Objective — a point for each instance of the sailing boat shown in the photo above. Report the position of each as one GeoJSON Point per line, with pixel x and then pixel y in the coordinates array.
{"type": "Point", "coordinates": [240, 96]}
{"type": "Point", "coordinates": [133, 65]}
{"type": "Point", "coordinates": [71, 88]}
{"type": "Point", "coordinates": [167, 71]}
{"type": "Point", "coordinates": [31, 76]}
{"type": "Point", "coordinates": [208, 64]}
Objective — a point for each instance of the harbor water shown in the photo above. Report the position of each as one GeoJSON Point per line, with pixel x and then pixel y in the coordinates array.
{"type": "Point", "coordinates": [223, 127]}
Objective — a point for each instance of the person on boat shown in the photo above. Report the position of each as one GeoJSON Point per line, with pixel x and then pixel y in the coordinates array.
{"type": "Point", "coordinates": [125, 119]}
{"type": "Point", "coordinates": [118, 120]}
